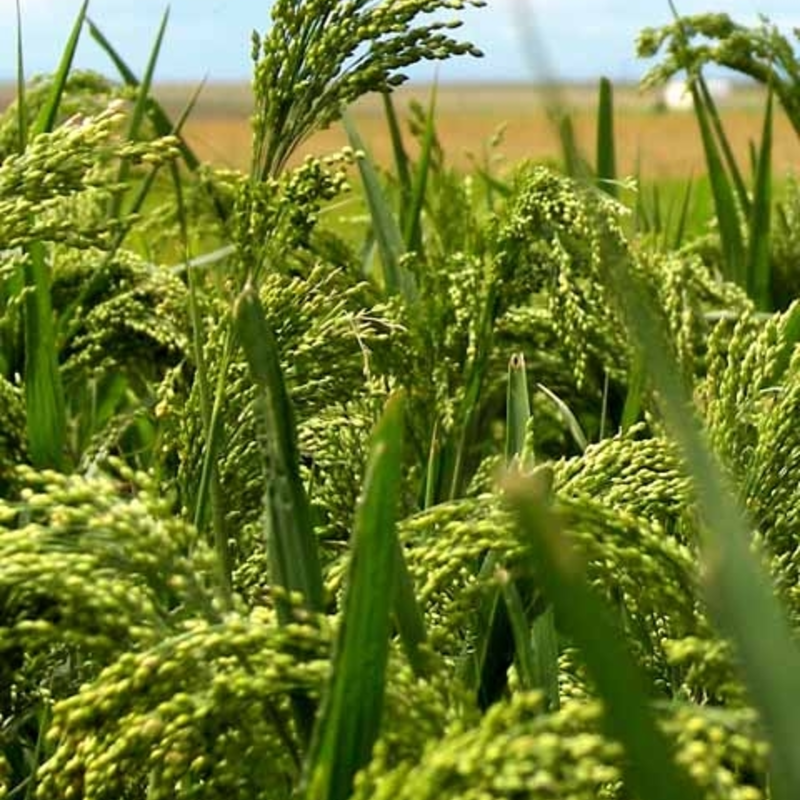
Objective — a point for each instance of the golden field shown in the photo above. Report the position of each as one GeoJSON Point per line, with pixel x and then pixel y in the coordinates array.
{"type": "Point", "coordinates": [665, 144]}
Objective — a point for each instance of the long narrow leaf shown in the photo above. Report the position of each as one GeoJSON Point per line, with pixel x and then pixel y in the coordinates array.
{"type": "Point", "coordinates": [513, 624]}
{"type": "Point", "coordinates": [44, 391]}
{"type": "Point", "coordinates": [432, 468]}
{"type": "Point", "coordinates": [679, 233]}
{"type": "Point", "coordinates": [387, 232]}
{"type": "Point", "coordinates": [759, 263]}
{"type": "Point", "coordinates": [724, 199]}
{"type": "Point", "coordinates": [496, 642]}
{"type": "Point", "coordinates": [291, 546]}
{"type": "Point", "coordinates": [137, 115]}
{"type": "Point", "coordinates": [565, 412]}
{"type": "Point", "coordinates": [22, 108]}
{"type": "Point", "coordinates": [68, 323]}
{"type": "Point", "coordinates": [544, 644]}
{"type": "Point", "coordinates": [221, 543]}
{"type": "Point", "coordinates": [46, 119]}
{"type": "Point", "coordinates": [408, 616]}
{"type": "Point", "coordinates": [650, 769]}
{"type": "Point", "coordinates": [518, 408]}
{"type": "Point", "coordinates": [159, 118]}
{"type": "Point", "coordinates": [634, 399]}
{"type": "Point", "coordinates": [735, 173]}
{"type": "Point", "coordinates": [413, 222]}
{"type": "Point", "coordinates": [402, 162]}
{"type": "Point", "coordinates": [350, 720]}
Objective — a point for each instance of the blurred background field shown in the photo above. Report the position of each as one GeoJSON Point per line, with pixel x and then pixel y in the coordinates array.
{"type": "Point", "coordinates": [663, 143]}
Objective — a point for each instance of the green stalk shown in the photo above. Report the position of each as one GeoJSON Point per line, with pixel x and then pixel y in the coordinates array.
{"type": "Point", "coordinates": [221, 545]}
{"type": "Point", "coordinates": [432, 469]}
{"type": "Point", "coordinates": [213, 443]}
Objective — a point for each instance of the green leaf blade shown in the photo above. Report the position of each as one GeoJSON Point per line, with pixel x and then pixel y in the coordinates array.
{"type": "Point", "coordinates": [518, 407]}
{"type": "Point", "coordinates": [350, 720]}
{"type": "Point", "coordinates": [44, 391]}
{"type": "Point", "coordinates": [606, 145]}
{"type": "Point", "coordinates": [759, 263]}
{"type": "Point", "coordinates": [46, 119]}
{"type": "Point", "coordinates": [388, 236]}
{"type": "Point", "coordinates": [291, 546]}
{"type": "Point", "coordinates": [725, 205]}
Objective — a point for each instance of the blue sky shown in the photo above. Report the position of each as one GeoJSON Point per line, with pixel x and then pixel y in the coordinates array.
{"type": "Point", "coordinates": [572, 39]}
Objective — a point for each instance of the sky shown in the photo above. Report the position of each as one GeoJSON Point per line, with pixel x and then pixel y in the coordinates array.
{"type": "Point", "coordinates": [521, 39]}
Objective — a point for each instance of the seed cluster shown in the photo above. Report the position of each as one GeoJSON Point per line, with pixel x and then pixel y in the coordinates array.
{"type": "Point", "coordinates": [321, 55]}
{"type": "Point", "coordinates": [53, 190]}
{"type": "Point", "coordinates": [85, 569]}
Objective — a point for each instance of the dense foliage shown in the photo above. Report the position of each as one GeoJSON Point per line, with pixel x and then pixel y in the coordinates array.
{"type": "Point", "coordinates": [255, 530]}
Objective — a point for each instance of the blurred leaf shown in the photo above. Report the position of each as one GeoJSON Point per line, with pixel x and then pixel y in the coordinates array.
{"type": "Point", "coordinates": [740, 598]}
{"type": "Point", "coordinates": [650, 769]}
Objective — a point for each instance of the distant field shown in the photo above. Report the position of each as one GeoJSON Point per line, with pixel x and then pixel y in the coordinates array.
{"type": "Point", "coordinates": [665, 144]}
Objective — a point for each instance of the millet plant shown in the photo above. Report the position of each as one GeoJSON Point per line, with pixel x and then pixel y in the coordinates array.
{"type": "Point", "coordinates": [503, 504]}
